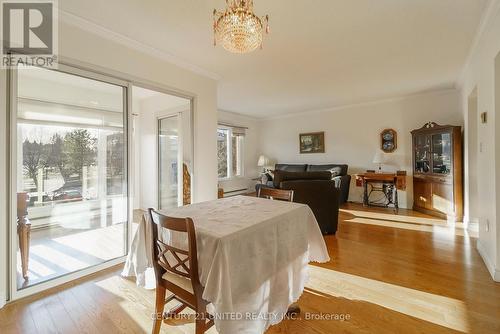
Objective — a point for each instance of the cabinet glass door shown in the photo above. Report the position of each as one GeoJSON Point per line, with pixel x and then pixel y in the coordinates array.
{"type": "Point", "coordinates": [422, 154]}
{"type": "Point", "coordinates": [441, 153]}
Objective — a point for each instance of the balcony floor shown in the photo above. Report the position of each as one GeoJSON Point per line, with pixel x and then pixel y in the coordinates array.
{"type": "Point", "coordinates": [56, 250]}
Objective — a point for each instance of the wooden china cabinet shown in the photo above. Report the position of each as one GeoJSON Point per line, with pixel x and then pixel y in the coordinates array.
{"type": "Point", "coordinates": [437, 171]}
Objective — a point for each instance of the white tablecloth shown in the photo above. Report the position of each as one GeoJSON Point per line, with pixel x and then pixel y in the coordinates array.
{"type": "Point", "coordinates": [253, 257]}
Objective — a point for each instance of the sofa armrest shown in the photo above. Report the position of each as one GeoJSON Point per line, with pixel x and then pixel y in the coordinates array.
{"type": "Point", "coordinates": [345, 184]}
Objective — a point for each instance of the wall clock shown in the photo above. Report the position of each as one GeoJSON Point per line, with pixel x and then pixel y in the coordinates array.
{"type": "Point", "coordinates": [389, 140]}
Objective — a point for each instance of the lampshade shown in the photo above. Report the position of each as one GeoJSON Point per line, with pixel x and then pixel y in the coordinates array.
{"type": "Point", "coordinates": [379, 157]}
{"type": "Point", "coordinates": [263, 161]}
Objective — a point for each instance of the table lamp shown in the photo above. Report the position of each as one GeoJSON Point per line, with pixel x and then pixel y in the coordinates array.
{"type": "Point", "coordinates": [379, 159]}
{"type": "Point", "coordinates": [263, 162]}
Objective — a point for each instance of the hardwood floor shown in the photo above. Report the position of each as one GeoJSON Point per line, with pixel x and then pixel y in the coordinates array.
{"type": "Point", "coordinates": [388, 273]}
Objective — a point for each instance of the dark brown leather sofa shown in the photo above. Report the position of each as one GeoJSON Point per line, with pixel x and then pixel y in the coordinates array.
{"type": "Point", "coordinates": [339, 175]}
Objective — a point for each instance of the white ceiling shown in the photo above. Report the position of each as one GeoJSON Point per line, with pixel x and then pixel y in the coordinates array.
{"type": "Point", "coordinates": [320, 53]}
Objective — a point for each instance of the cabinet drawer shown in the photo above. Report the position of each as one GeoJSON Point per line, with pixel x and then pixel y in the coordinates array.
{"type": "Point", "coordinates": [441, 180]}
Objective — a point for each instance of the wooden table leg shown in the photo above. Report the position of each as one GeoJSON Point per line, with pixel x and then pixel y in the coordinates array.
{"type": "Point", "coordinates": [23, 231]}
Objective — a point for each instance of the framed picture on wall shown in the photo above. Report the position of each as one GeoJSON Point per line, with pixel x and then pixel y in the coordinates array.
{"type": "Point", "coordinates": [313, 142]}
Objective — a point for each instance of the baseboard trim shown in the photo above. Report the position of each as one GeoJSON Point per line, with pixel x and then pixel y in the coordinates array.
{"type": "Point", "coordinates": [472, 224]}
{"type": "Point", "coordinates": [361, 202]}
{"type": "Point", "coordinates": [495, 273]}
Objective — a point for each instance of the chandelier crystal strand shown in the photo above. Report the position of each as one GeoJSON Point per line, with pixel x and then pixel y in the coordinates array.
{"type": "Point", "coordinates": [237, 28]}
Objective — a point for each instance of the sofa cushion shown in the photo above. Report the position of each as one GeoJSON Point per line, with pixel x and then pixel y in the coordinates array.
{"type": "Point", "coordinates": [281, 176]}
{"type": "Point", "coordinates": [291, 168]}
{"type": "Point", "coordinates": [335, 169]}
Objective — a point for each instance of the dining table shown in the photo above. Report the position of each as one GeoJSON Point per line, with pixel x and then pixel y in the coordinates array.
{"type": "Point", "coordinates": [253, 257]}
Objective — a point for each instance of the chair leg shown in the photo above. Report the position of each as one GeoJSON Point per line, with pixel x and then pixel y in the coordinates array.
{"type": "Point", "coordinates": [201, 325]}
{"type": "Point", "coordinates": [160, 305]}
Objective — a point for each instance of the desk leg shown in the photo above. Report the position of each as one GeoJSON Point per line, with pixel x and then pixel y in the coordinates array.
{"type": "Point", "coordinates": [396, 201]}
{"type": "Point", "coordinates": [365, 193]}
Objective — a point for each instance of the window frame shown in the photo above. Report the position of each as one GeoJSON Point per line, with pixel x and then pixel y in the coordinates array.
{"type": "Point", "coordinates": [240, 149]}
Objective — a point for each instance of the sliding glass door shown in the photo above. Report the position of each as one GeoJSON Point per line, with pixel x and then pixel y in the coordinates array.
{"type": "Point", "coordinates": [69, 172]}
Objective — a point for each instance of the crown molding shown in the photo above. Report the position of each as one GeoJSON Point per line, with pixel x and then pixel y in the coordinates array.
{"type": "Point", "coordinates": [491, 10]}
{"type": "Point", "coordinates": [236, 114]}
{"type": "Point", "coordinates": [94, 28]}
{"type": "Point", "coordinates": [442, 91]}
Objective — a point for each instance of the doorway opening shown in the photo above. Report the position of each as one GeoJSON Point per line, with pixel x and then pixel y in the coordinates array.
{"type": "Point", "coordinates": [163, 150]}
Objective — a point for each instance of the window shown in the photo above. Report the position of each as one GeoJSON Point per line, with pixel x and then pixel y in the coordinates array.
{"type": "Point", "coordinates": [230, 151]}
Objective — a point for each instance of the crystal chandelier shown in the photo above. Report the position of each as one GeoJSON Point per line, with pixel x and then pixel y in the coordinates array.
{"type": "Point", "coordinates": [237, 28]}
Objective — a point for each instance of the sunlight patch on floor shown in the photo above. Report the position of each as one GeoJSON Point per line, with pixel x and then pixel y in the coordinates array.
{"type": "Point", "coordinates": [103, 243]}
{"type": "Point", "coordinates": [438, 228]}
{"type": "Point", "coordinates": [139, 305]}
{"type": "Point", "coordinates": [37, 269]}
{"type": "Point", "coordinates": [58, 258]}
{"type": "Point", "coordinates": [396, 217]}
{"type": "Point", "coordinates": [53, 256]}
{"type": "Point", "coordinates": [443, 311]}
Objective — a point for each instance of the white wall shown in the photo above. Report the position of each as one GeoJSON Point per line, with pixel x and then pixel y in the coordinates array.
{"type": "Point", "coordinates": [352, 133]}
{"type": "Point", "coordinates": [480, 74]}
{"type": "Point", "coordinates": [251, 151]}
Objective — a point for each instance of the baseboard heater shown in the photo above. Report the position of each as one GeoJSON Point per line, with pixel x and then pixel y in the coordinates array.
{"type": "Point", "coordinates": [235, 192]}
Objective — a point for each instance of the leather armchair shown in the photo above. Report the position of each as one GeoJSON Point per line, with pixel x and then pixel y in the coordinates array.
{"type": "Point", "coordinates": [343, 180]}
{"type": "Point", "coordinates": [316, 189]}
{"type": "Point", "coordinates": [322, 196]}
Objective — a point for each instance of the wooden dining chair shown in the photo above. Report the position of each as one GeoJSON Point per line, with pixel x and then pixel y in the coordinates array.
{"type": "Point", "coordinates": [279, 194]}
{"type": "Point", "coordinates": [282, 195]}
{"type": "Point", "coordinates": [176, 270]}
